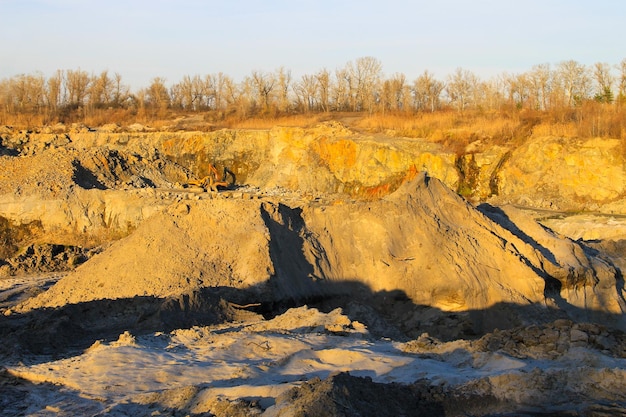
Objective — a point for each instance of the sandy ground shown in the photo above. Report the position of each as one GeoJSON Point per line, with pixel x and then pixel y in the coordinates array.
{"type": "Point", "coordinates": [16, 289]}
{"type": "Point", "coordinates": [257, 362]}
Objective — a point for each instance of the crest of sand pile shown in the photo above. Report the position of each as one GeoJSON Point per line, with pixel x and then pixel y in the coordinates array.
{"type": "Point", "coordinates": [441, 251]}
{"type": "Point", "coordinates": [428, 242]}
{"type": "Point", "coordinates": [423, 240]}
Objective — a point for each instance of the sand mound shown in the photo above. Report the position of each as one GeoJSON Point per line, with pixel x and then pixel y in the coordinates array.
{"type": "Point", "coordinates": [189, 246]}
{"type": "Point", "coordinates": [422, 242]}
{"type": "Point", "coordinates": [440, 251]}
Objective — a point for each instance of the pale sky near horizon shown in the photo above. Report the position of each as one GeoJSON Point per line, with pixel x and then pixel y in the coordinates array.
{"type": "Point", "coordinates": [142, 39]}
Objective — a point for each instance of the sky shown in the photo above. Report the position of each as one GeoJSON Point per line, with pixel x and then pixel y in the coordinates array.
{"type": "Point", "coordinates": [142, 40]}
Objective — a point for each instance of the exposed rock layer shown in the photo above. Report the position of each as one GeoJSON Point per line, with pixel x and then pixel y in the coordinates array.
{"type": "Point", "coordinates": [548, 172]}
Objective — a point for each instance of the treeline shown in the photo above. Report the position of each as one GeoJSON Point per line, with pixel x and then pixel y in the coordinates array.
{"type": "Point", "coordinates": [359, 86]}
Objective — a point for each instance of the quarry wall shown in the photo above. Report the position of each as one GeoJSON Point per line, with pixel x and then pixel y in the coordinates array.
{"type": "Point", "coordinates": [545, 172]}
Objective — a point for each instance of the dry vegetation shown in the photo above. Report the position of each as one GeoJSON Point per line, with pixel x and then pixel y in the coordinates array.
{"type": "Point", "coordinates": [453, 129]}
{"type": "Point", "coordinates": [502, 127]}
{"type": "Point", "coordinates": [568, 100]}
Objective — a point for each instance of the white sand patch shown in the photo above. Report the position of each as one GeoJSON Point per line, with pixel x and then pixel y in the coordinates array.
{"type": "Point", "coordinates": [225, 360]}
{"type": "Point", "coordinates": [198, 367]}
{"type": "Point", "coordinates": [588, 226]}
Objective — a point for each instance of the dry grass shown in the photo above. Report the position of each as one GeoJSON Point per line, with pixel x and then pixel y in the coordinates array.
{"type": "Point", "coordinates": [101, 117]}
{"type": "Point", "coordinates": [25, 121]}
{"type": "Point", "coordinates": [298, 120]}
{"type": "Point", "coordinates": [438, 125]}
{"type": "Point", "coordinates": [565, 130]}
{"type": "Point", "coordinates": [454, 130]}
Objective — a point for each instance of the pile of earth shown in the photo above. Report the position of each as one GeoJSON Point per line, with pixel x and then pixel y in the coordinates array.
{"type": "Point", "coordinates": [557, 368]}
{"type": "Point", "coordinates": [542, 392]}
{"type": "Point", "coordinates": [423, 256]}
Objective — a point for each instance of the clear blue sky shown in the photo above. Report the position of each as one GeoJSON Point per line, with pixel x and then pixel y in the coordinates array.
{"type": "Point", "coordinates": [172, 38]}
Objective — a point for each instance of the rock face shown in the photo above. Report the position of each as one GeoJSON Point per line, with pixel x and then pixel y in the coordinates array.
{"type": "Point", "coordinates": [564, 173]}
{"type": "Point", "coordinates": [326, 159]}
{"type": "Point", "coordinates": [423, 242]}
{"type": "Point", "coordinates": [545, 172]}
{"type": "Point", "coordinates": [66, 173]}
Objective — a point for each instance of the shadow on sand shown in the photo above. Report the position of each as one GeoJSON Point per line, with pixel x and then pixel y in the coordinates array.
{"type": "Point", "coordinates": [68, 330]}
{"type": "Point", "coordinates": [72, 328]}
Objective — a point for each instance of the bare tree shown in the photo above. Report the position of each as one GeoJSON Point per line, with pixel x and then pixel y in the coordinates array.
{"type": "Point", "coordinates": [427, 92]}
{"type": "Point", "coordinates": [519, 89]}
{"type": "Point", "coordinates": [141, 98]}
{"type": "Point", "coordinates": [219, 82]}
{"type": "Point", "coordinates": [574, 81]}
{"type": "Point", "coordinates": [393, 92]}
{"type": "Point", "coordinates": [54, 98]}
{"type": "Point", "coordinates": [77, 84]}
{"type": "Point", "coordinates": [157, 95]}
{"type": "Point", "coordinates": [100, 90]}
{"type": "Point", "coordinates": [324, 88]}
{"type": "Point", "coordinates": [207, 92]}
{"type": "Point", "coordinates": [283, 79]}
{"type": "Point", "coordinates": [342, 90]}
{"type": "Point", "coordinates": [621, 88]}
{"type": "Point", "coordinates": [491, 93]}
{"type": "Point", "coordinates": [245, 97]}
{"type": "Point", "coordinates": [121, 92]}
{"type": "Point", "coordinates": [231, 94]}
{"type": "Point", "coordinates": [182, 95]}
{"type": "Point", "coordinates": [539, 79]}
{"type": "Point", "coordinates": [366, 74]}
{"type": "Point", "coordinates": [5, 100]}
{"type": "Point", "coordinates": [264, 85]}
{"type": "Point", "coordinates": [30, 93]}
{"type": "Point", "coordinates": [306, 90]}
{"type": "Point", "coordinates": [177, 100]}
{"type": "Point", "coordinates": [189, 94]}
{"type": "Point", "coordinates": [604, 82]}
{"type": "Point", "coordinates": [356, 86]}
{"type": "Point", "coordinates": [460, 88]}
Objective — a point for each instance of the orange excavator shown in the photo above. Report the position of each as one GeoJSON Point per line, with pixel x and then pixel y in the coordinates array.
{"type": "Point", "coordinates": [213, 180]}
